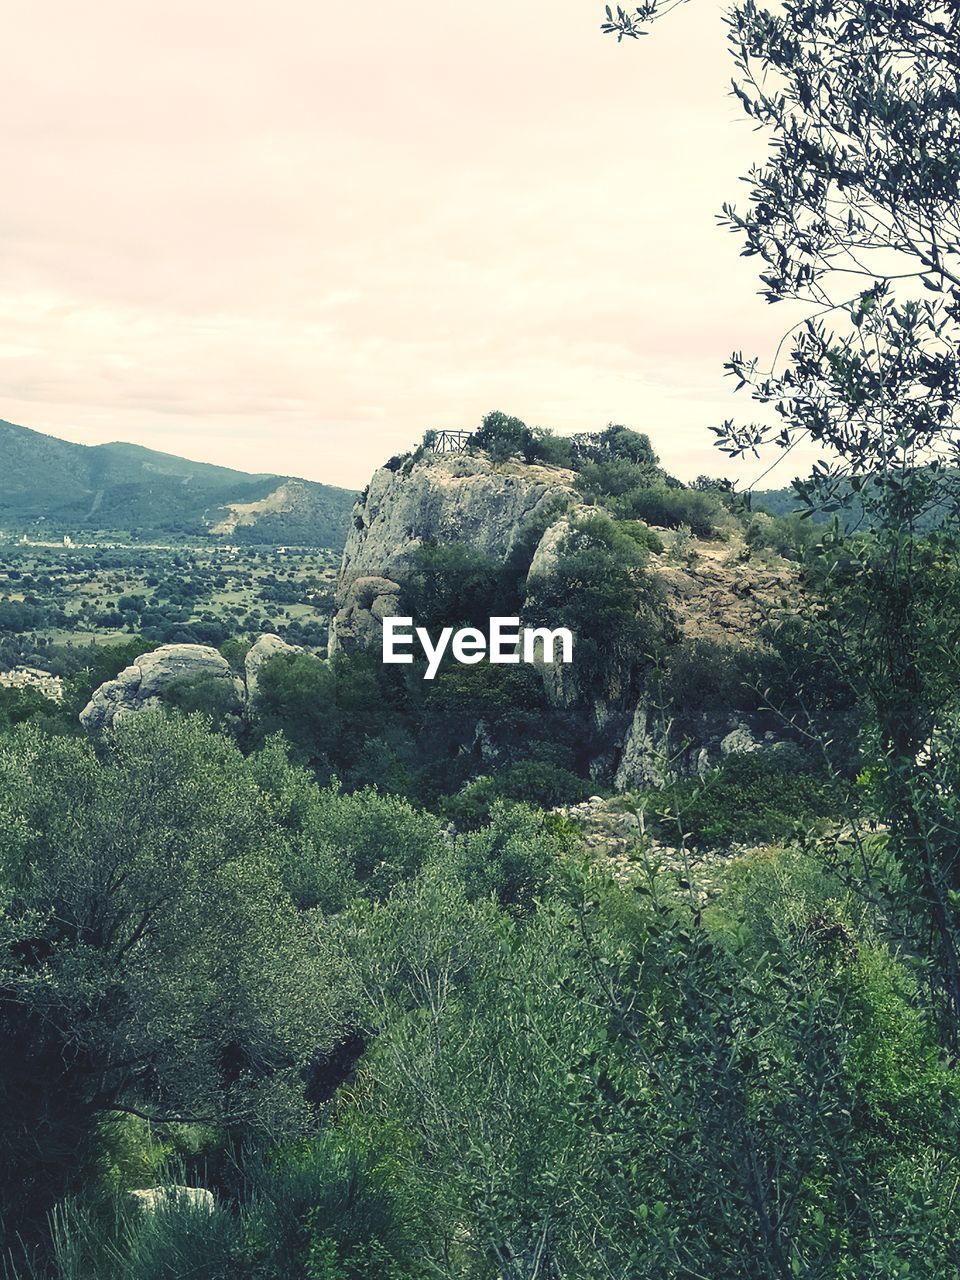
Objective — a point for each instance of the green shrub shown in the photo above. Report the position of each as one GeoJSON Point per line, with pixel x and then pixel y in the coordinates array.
{"type": "Point", "coordinates": [705, 513]}
{"type": "Point", "coordinates": [297, 693]}
{"type": "Point", "coordinates": [538, 783]}
{"type": "Point", "coordinates": [600, 589]}
{"type": "Point", "coordinates": [451, 585]}
{"type": "Point", "coordinates": [330, 1211]}
{"type": "Point", "coordinates": [751, 798]}
{"type": "Point", "coordinates": [141, 882]}
{"type": "Point", "coordinates": [705, 682]}
{"type": "Point", "coordinates": [20, 705]}
{"type": "Point", "coordinates": [502, 437]}
{"type": "Point", "coordinates": [643, 535]}
{"type": "Point", "coordinates": [210, 696]}
{"type": "Point", "coordinates": [178, 1238]}
{"type": "Point", "coordinates": [340, 844]}
{"type": "Point", "coordinates": [611, 482]}
{"type": "Point", "coordinates": [470, 807]}
{"type": "Point", "coordinates": [789, 536]}
{"type": "Point", "coordinates": [512, 856]}
{"type": "Point", "coordinates": [617, 443]}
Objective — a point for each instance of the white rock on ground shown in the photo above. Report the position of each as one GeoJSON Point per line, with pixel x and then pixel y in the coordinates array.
{"type": "Point", "coordinates": [151, 1198]}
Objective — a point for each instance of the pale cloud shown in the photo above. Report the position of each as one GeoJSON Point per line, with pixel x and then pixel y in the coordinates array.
{"type": "Point", "coordinates": [291, 237]}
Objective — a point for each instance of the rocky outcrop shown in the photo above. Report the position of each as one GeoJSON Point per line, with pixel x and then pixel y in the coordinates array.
{"type": "Point", "coordinates": [715, 596]}
{"type": "Point", "coordinates": [617, 838]}
{"type": "Point", "coordinates": [645, 753]}
{"type": "Point", "coordinates": [437, 498]}
{"type": "Point", "coordinates": [148, 682]}
{"type": "Point", "coordinates": [701, 590]}
{"type": "Point", "coordinates": [364, 603]}
{"type": "Point", "coordinates": [142, 686]}
{"type": "Point", "coordinates": [547, 554]}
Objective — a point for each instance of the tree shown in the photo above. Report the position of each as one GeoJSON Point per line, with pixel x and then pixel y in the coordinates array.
{"type": "Point", "coordinates": [151, 959]}
{"type": "Point", "coordinates": [501, 436]}
{"type": "Point", "coordinates": [296, 692]}
{"type": "Point", "coordinates": [856, 214]}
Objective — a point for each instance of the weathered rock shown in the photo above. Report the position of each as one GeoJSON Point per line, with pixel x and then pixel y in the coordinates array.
{"type": "Point", "coordinates": [263, 649]}
{"type": "Point", "coordinates": [149, 1199]}
{"type": "Point", "coordinates": [444, 498]}
{"type": "Point", "coordinates": [645, 754]}
{"type": "Point", "coordinates": [363, 604]}
{"type": "Point", "coordinates": [547, 555]}
{"type": "Point", "coordinates": [712, 593]}
{"type": "Point", "coordinates": [716, 596]}
{"type": "Point", "coordinates": [142, 686]}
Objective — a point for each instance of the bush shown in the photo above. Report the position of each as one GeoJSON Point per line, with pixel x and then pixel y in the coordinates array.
{"type": "Point", "coordinates": [512, 856]}
{"type": "Point", "coordinates": [451, 585]}
{"type": "Point", "coordinates": [750, 799]}
{"type": "Point", "coordinates": [502, 438]}
{"type": "Point", "coordinates": [789, 536]}
{"type": "Point", "coordinates": [617, 443]}
{"type": "Point", "coordinates": [330, 1211]}
{"type": "Point", "coordinates": [210, 696]}
{"type": "Point", "coordinates": [20, 705]}
{"type": "Point", "coordinates": [705, 682]}
{"type": "Point", "coordinates": [643, 535]}
{"type": "Point", "coordinates": [341, 844]}
{"type": "Point", "coordinates": [121, 931]}
{"type": "Point", "coordinates": [296, 692]}
{"type": "Point", "coordinates": [600, 590]}
{"type": "Point", "coordinates": [533, 782]}
{"type": "Point", "coordinates": [536, 782]}
{"type": "Point", "coordinates": [705, 513]}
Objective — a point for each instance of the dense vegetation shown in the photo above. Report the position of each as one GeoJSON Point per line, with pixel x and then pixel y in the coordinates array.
{"type": "Point", "coordinates": [59, 606]}
{"type": "Point", "coordinates": [395, 1052]}
{"type": "Point", "coordinates": [340, 968]}
{"type": "Point", "coordinates": [337, 968]}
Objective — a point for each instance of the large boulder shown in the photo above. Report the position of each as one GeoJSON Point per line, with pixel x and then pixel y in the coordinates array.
{"type": "Point", "coordinates": [143, 685]}
{"type": "Point", "coordinates": [261, 651]}
{"type": "Point", "coordinates": [546, 558]}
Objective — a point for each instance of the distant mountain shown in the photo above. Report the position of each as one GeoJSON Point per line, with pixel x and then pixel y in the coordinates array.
{"type": "Point", "coordinates": [52, 484]}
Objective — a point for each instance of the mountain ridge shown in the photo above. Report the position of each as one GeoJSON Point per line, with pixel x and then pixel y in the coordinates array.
{"type": "Point", "coordinates": [63, 487]}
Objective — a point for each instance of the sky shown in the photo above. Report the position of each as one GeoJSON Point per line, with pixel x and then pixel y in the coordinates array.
{"type": "Point", "coordinates": [290, 237]}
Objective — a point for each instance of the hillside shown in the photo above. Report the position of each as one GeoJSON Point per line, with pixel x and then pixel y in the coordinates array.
{"type": "Point", "coordinates": [52, 484]}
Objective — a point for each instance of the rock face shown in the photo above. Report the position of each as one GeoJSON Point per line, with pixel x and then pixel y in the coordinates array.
{"type": "Point", "coordinates": [644, 754]}
{"type": "Point", "coordinates": [546, 556]}
{"type": "Point", "coordinates": [716, 597]}
{"type": "Point", "coordinates": [437, 498]}
{"type": "Point", "coordinates": [705, 591]}
{"type": "Point", "coordinates": [365, 603]}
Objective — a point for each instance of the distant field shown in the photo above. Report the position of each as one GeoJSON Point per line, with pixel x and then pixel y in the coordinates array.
{"type": "Point", "coordinates": [61, 599]}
